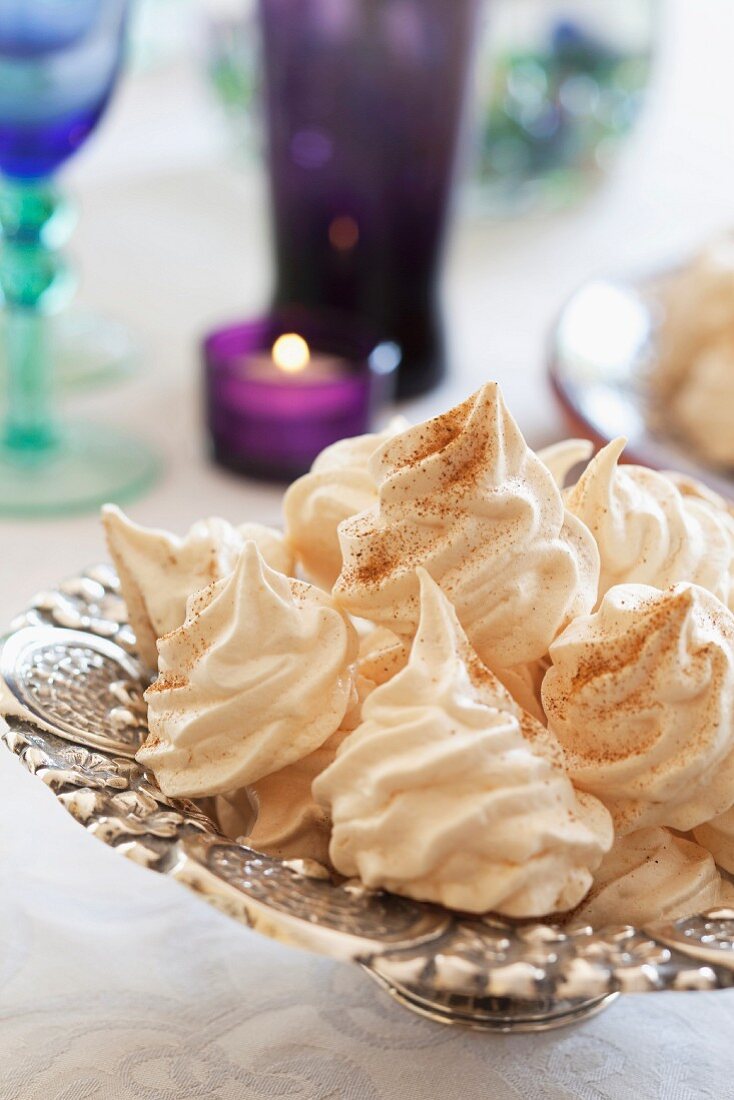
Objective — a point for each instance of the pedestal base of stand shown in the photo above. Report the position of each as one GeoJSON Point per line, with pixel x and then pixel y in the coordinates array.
{"type": "Point", "coordinates": [90, 464]}
{"type": "Point", "coordinates": [498, 1014]}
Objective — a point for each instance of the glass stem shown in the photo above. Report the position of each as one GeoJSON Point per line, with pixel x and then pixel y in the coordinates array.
{"type": "Point", "coordinates": [35, 282]}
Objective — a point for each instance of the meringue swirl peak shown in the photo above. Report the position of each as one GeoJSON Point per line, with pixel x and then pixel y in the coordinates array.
{"type": "Point", "coordinates": [563, 456]}
{"type": "Point", "coordinates": [641, 696]}
{"type": "Point", "coordinates": [448, 792]}
{"type": "Point", "coordinates": [646, 530]}
{"type": "Point", "coordinates": [463, 496]}
{"type": "Point", "coordinates": [338, 485]}
{"type": "Point", "coordinates": [158, 571]}
{"type": "Point", "coordinates": [258, 676]}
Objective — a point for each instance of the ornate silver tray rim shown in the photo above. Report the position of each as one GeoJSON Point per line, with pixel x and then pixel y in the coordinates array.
{"type": "Point", "coordinates": [71, 692]}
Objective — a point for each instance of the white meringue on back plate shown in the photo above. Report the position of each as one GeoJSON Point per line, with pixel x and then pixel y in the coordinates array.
{"type": "Point", "coordinates": [258, 676]}
{"type": "Point", "coordinates": [158, 571]}
{"type": "Point", "coordinates": [448, 792]}
{"type": "Point", "coordinates": [464, 496]}
{"type": "Point", "coordinates": [702, 407]}
{"type": "Point", "coordinates": [698, 302]}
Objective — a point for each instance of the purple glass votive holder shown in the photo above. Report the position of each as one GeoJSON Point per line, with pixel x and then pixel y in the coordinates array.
{"type": "Point", "coordinates": [270, 425]}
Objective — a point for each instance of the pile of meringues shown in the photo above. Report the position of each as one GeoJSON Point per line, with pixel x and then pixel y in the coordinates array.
{"type": "Point", "coordinates": [692, 380]}
{"type": "Point", "coordinates": [453, 679]}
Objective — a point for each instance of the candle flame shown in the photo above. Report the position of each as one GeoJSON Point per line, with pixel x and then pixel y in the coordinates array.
{"type": "Point", "coordinates": [291, 353]}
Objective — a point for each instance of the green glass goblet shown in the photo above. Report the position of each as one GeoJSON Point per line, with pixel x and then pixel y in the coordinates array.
{"type": "Point", "coordinates": [58, 66]}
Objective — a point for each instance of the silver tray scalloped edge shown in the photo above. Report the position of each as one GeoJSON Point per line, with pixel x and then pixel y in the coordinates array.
{"type": "Point", "coordinates": [74, 717]}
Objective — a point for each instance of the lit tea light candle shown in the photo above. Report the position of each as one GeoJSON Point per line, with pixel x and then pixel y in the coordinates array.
{"type": "Point", "coordinates": [291, 360]}
{"type": "Point", "coordinates": [291, 353]}
{"type": "Point", "coordinates": [277, 394]}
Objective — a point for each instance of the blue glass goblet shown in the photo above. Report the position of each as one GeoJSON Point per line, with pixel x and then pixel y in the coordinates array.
{"type": "Point", "coordinates": [59, 61]}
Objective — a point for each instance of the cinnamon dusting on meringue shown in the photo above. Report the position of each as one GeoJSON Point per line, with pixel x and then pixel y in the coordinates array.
{"type": "Point", "coordinates": [448, 792]}
{"type": "Point", "coordinates": [463, 496]}
{"type": "Point", "coordinates": [641, 696]}
{"type": "Point", "coordinates": [258, 677]}
{"type": "Point", "coordinates": [158, 571]}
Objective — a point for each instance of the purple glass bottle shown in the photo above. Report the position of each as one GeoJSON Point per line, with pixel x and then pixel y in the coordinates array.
{"type": "Point", "coordinates": [363, 102]}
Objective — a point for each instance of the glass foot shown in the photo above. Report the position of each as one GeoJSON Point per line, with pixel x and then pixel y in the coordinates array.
{"type": "Point", "coordinates": [86, 351]}
{"type": "Point", "coordinates": [91, 464]}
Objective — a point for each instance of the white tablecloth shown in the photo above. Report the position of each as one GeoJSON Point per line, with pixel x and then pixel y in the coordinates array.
{"type": "Point", "coordinates": [117, 984]}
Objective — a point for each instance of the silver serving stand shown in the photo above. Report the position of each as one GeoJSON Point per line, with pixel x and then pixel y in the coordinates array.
{"type": "Point", "coordinates": [74, 717]}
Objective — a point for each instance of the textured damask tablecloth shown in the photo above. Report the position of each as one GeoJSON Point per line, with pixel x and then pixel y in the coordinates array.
{"type": "Point", "coordinates": [118, 985]}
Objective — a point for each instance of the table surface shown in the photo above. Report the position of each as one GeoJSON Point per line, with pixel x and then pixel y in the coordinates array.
{"type": "Point", "coordinates": [118, 985]}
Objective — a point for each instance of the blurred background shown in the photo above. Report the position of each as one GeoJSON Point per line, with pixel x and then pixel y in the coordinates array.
{"type": "Point", "coordinates": [590, 138]}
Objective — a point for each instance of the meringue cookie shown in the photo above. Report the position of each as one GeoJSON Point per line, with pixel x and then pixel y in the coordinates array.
{"type": "Point", "coordinates": [271, 543]}
{"type": "Point", "coordinates": [699, 305]}
{"type": "Point", "coordinates": [691, 487]}
{"type": "Point", "coordinates": [703, 405]}
{"type": "Point", "coordinates": [524, 684]}
{"type": "Point", "coordinates": [373, 639]}
{"type": "Point", "coordinates": [381, 655]}
{"type": "Point", "coordinates": [652, 875]}
{"type": "Point", "coordinates": [641, 696]}
{"type": "Point", "coordinates": [560, 458]}
{"type": "Point", "coordinates": [447, 792]}
{"type": "Point", "coordinates": [288, 823]}
{"type": "Point", "coordinates": [234, 812]}
{"type": "Point", "coordinates": [464, 496]}
{"type": "Point", "coordinates": [647, 532]}
{"type": "Point", "coordinates": [158, 571]}
{"type": "Point", "coordinates": [717, 837]}
{"type": "Point", "coordinates": [257, 677]}
{"type": "Point", "coordinates": [693, 378]}
{"type": "Point", "coordinates": [707, 500]}
{"type": "Point", "coordinates": [339, 485]}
